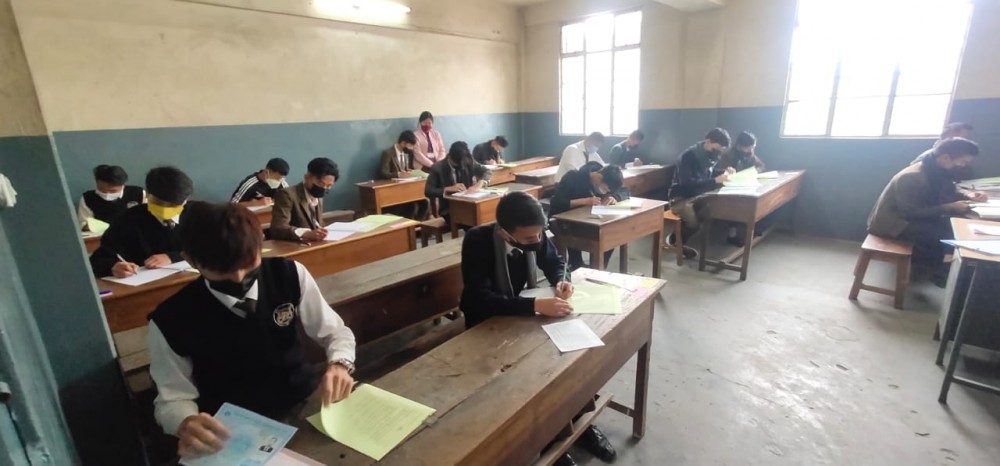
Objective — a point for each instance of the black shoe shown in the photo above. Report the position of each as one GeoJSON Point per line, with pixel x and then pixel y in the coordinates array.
{"type": "Point", "coordinates": [565, 460]}
{"type": "Point", "coordinates": [596, 443]}
{"type": "Point", "coordinates": [690, 253]}
{"type": "Point", "coordinates": [735, 241]}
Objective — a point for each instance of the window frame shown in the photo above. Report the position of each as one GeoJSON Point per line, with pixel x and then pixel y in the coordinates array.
{"type": "Point", "coordinates": [583, 53]}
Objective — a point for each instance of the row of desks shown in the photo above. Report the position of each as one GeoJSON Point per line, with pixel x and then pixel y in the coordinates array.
{"type": "Point", "coordinates": [639, 181]}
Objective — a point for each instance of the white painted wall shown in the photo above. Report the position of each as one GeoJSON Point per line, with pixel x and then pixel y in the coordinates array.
{"type": "Point", "coordinates": [20, 115]}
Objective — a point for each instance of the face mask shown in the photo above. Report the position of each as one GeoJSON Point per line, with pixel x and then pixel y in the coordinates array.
{"type": "Point", "coordinates": [272, 183]}
{"type": "Point", "coordinates": [318, 191]}
{"type": "Point", "coordinates": [163, 213]}
{"type": "Point", "coordinates": [527, 247]}
{"type": "Point", "coordinates": [592, 149]}
{"type": "Point", "coordinates": [236, 289]}
{"type": "Point", "coordinates": [110, 196]}
{"type": "Point", "coordinates": [425, 128]}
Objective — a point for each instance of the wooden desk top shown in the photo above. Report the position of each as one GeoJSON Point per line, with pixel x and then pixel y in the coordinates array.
{"type": "Point", "coordinates": [512, 187]}
{"type": "Point", "coordinates": [540, 173]}
{"type": "Point", "coordinates": [960, 226]}
{"type": "Point", "coordinates": [382, 184]}
{"type": "Point", "coordinates": [583, 215]}
{"type": "Point", "coordinates": [533, 160]}
{"type": "Point", "coordinates": [766, 186]}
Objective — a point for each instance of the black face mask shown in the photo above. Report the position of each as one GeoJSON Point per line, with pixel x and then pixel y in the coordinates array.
{"type": "Point", "coordinates": [529, 247]}
{"type": "Point", "coordinates": [236, 289]}
{"type": "Point", "coordinates": [318, 191]}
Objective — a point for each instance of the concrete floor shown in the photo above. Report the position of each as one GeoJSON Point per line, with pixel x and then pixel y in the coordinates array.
{"type": "Point", "coordinates": [784, 369]}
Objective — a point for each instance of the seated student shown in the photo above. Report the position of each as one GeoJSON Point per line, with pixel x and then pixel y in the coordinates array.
{"type": "Point", "coordinates": [236, 334]}
{"type": "Point", "coordinates": [627, 151]}
{"type": "Point", "coordinates": [591, 185]}
{"type": "Point", "coordinates": [456, 173]}
{"type": "Point", "coordinates": [917, 202]}
{"type": "Point", "coordinates": [112, 196]}
{"type": "Point", "coordinates": [740, 157]}
{"type": "Point", "coordinates": [951, 130]}
{"type": "Point", "coordinates": [575, 155]}
{"type": "Point", "coordinates": [499, 261]}
{"type": "Point", "coordinates": [696, 175]}
{"type": "Point", "coordinates": [258, 188]}
{"type": "Point", "coordinates": [298, 210]}
{"type": "Point", "coordinates": [490, 152]}
{"type": "Point", "coordinates": [397, 161]}
{"type": "Point", "coordinates": [145, 234]}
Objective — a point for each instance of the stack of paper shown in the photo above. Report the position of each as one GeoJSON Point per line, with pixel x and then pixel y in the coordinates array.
{"type": "Point", "coordinates": [420, 173]}
{"type": "Point", "coordinates": [981, 229]}
{"type": "Point", "coordinates": [144, 276]}
{"type": "Point", "coordinates": [572, 335]}
{"type": "Point", "coordinates": [96, 226]}
{"type": "Point", "coordinates": [371, 420]}
{"type": "Point", "coordinates": [989, 212]}
{"type": "Point", "coordinates": [588, 297]}
{"type": "Point", "coordinates": [253, 439]}
{"type": "Point", "coordinates": [771, 175]}
{"type": "Point", "coordinates": [984, 246]}
{"type": "Point", "coordinates": [375, 221]}
{"type": "Point", "coordinates": [631, 203]}
{"type": "Point", "coordinates": [609, 210]}
{"type": "Point", "coordinates": [746, 177]}
{"type": "Point", "coordinates": [473, 194]}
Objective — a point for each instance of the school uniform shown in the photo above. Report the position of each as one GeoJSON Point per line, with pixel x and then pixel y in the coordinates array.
{"type": "Point", "coordinates": [574, 156]}
{"type": "Point", "coordinates": [739, 161]}
{"type": "Point", "coordinates": [443, 175]}
{"type": "Point", "coordinates": [576, 185]}
{"type": "Point", "coordinates": [394, 161]}
{"type": "Point", "coordinates": [695, 175]}
{"type": "Point", "coordinates": [294, 213]}
{"type": "Point", "coordinates": [94, 206]}
{"type": "Point", "coordinates": [252, 188]}
{"type": "Point", "coordinates": [484, 153]}
{"type": "Point", "coordinates": [494, 273]}
{"type": "Point", "coordinates": [622, 154]}
{"type": "Point", "coordinates": [136, 235]}
{"type": "Point", "coordinates": [207, 348]}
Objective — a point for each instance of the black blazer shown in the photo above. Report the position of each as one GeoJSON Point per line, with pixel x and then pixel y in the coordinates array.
{"type": "Point", "coordinates": [441, 176]}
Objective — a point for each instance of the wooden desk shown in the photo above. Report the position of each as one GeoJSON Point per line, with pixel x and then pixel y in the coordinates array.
{"type": "Point", "coordinates": [509, 174]}
{"type": "Point", "coordinates": [379, 194]}
{"type": "Point", "coordinates": [578, 229]}
{"type": "Point", "coordinates": [127, 306]}
{"type": "Point", "coordinates": [544, 177]}
{"type": "Point", "coordinates": [748, 209]}
{"type": "Point", "coordinates": [91, 243]}
{"type": "Point", "coordinates": [502, 391]}
{"type": "Point", "coordinates": [391, 294]}
{"type": "Point", "coordinates": [969, 313]}
{"type": "Point", "coordinates": [640, 181]}
{"type": "Point", "coordinates": [472, 212]}
{"type": "Point", "coordinates": [263, 215]}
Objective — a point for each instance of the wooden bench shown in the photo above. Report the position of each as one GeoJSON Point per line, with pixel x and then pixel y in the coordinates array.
{"type": "Point", "coordinates": [434, 226]}
{"type": "Point", "coordinates": [671, 222]}
{"type": "Point", "coordinates": [885, 250]}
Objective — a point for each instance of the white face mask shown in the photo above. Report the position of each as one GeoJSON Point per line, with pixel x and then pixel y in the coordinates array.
{"type": "Point", "coordinates": [110, 196]}
{"type": "Point", "coordinates": [273, 183]}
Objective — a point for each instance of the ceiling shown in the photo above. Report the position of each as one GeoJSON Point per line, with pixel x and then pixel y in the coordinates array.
{"type": "Point", "coordinates": [683, 5]}
{"type": "Point", "coordinates": [522, 2]}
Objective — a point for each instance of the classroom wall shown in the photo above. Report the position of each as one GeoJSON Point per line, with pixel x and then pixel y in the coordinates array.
{"type": "Point", "coordinates": [219, 90]}
{"type": "Point", "coordinates": [728, 67]}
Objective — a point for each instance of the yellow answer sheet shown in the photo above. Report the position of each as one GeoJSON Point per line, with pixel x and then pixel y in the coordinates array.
{"type": "Point", "coordinates": [595, 298]}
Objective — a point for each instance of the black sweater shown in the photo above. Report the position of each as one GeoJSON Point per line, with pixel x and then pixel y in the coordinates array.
{"type": "Point", "coordinates": [136, 235]}
{"type": "Point", "coordinates": [575, 184]}
{"type": "Point", "coordinates": [695, 174]}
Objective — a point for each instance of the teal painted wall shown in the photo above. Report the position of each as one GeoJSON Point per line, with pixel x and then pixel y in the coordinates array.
{"type": "Point", "coordinates": [218, 157]}
{"type": "Point", "coordinates": [60, 291]}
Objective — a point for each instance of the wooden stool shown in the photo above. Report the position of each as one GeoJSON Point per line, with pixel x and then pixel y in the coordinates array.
{"type": "Point", "coordinates": [671, 222]}
{"type": "Point", "coordinates": [436, 226]}
{"type": "Point", "coordinates": [885, 250]}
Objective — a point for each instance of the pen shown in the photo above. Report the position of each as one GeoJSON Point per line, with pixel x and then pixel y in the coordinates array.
{"type": "Point", "coordinates": [120, 258]}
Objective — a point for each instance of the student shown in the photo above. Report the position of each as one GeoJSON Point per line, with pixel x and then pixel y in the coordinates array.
{"type": "Point", "coordinates": [490, 152]}
{"type": "Point", "coordinates": [575, 155]}
{"type": "Point", "coordinates": [456, 173]}
{"type": "Point", "coordinates": [237, 334]}
{"type": "Point", "coordinates": [742, 155]}
{"type": "Point", "coordinates": [145, 234]}
{"type": "Point", "coordinates": [951, 130]}
{"type": "Point", "coordinates": [499, 261]}
{"type": "Point", "coordinates": [626, 151]}
{"type": "Point", "coordinates": [397, 161]}
{"type": "Point", "coordinates": [258, 188]}
{"type": "Point", "coordinates": [591, 185]}
{"type": "Point", "coordinates": [696, 175]}
{"type": "Point", "coordinates": [916, 204]}
{"type": "Point", "coordinates": [430, 147]}
{"type": "Point", "coordinates": [111, 196]}
{"type": "Point", "coordinates": [298, 210]}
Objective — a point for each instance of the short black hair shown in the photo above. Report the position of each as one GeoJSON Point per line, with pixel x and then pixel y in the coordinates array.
{"type": "Point", "coordinates": [322, 167]}
{"type": "Point", "coordinates": [638, 135]}
{"type": "Point", "coordinates": [956, 147]}
{"type": "Point", "coordinates": [407, 137]}
{"type": "Point", "coordinates": [613, 177]}
{"type": "Point", "coordinates": [597, 137]}
{"type": "Point", "coordinates": [111, 174]}
{"type": "Point", "coordinates": [459, 150]}
{"type": "Point", "coordinates": [278, 165]}
{"type": "Point", "coordinates": [952, 128]}
{"type": "Point", "coordinates": [169, 185]}
{"type": "Point", "coordinates": [746, 138]}
{"type": "Point", "coordinates": [220, 237]}
{"type": "Point", "coordinates": [519, 209]}
{"type": "Point", "coordinates": [719, 136]}
{"type": "Point", "coordinates": [501, 141]}
{"type": "Point", "coordinates": [425, 115]}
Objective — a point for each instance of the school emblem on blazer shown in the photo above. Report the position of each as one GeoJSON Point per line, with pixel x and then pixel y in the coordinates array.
{"type": "Point", "coordinates": [131, 204]}
{"type": "Point", "coordinates": [284, 314]}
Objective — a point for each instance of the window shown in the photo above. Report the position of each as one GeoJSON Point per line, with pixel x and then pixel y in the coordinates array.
{"type": "Point", "coordinates": [599, 75]}
{"type": "Point", "coordinates": [873, 68]}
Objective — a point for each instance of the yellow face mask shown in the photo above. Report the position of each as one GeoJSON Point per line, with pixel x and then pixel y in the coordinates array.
{"type": "Point", "coordinates": [163, 213]}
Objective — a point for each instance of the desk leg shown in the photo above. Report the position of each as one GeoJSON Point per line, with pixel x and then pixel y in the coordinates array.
{"type": "Point", "coordinates": [657, 252]}
{"type": "Point", "coordinates": [454, 230]}
{"type": "Point", "coordinates": [597, 259]}
{"type": "Point", "coordinates": [623, 259]}
{"type": "Point", "coordinates": [705, 233]}
{"type": "Point", "coordinates": [413, 238]}
{"type": "Point", "coordinates": [641, 389]}
{"type": "Point", "coordinates": [747, 246]}
{"type": "Point", "coordinates": [956, 348]}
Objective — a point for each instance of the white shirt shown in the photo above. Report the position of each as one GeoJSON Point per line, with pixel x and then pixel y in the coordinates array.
{"type": "Point", "coordinates": [401, 157]}
{"type": "Point", "coordinates": [172, 373]}
{"type": "Point", "coordinates": [83, 212]}
{"type": "Point", "coordinates": [313, 202]}
{"type": "Point", "coordinates": [574, 156]}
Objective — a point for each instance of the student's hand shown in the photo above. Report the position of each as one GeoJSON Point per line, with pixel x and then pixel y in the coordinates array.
{"type": "Point", "coordinates": [722, 178]}
{"type": "Point", "coordinates": [637, 162]}
{"type": "Point", "coordinates": [730, 170]}
{"type": "Point", "coordinates": [455, 188]}
{"type": "Point", "coordinates": [609, 201]}
{"type": "Point", "coordinates": [318, 234]}
{"type": "Point", "coordinates": [124, 269]}
{"type": "Point", "coordinates": [564, 290]}
{"type": "Point", "coordinates": [585, 201]}
{"type": "Point", "coordinates": [491, 162]}
{"type": "Point", "coordinates": [157, 260]}
{"type": "Point", "coordinates": [261, 201]}
{"type": "Point", "coordinates": [403, 174]}
{"type": "Point", "coordinates": [552, 307]}
{"type": "Point", "coordinates": [335, 385]}
{"type": "Point", "coordinates": [500, 160]}
{"type": "Point", "coordinates": [200, 435]}
{"type": "Point", "coordinates": [977, 196]}
{"type": "Point", "coordinates": [958, 207]}
{"type": "Point", "coordinates": [474, 188]}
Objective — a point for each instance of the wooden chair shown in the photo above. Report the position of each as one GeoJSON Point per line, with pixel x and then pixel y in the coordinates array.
{"type": "Point", "coordinates": [433, 226]}
{"type": "Point", "coordinates": [671, 222]}
{"type": "Point", "coordinates": [885, 250]}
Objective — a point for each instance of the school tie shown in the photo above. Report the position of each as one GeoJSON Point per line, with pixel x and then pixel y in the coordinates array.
{"type": "Point", "coordinates": [317, 216]}
{"type": "Point", "coordinates": [430, 144]}
{"type": "Point", "coordinates": [247, 305]}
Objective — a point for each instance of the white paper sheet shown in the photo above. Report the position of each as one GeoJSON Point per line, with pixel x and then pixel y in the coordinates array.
{"type": "Point", "coordinates": [988, 247]}
{"type": "Point", "coordinates": [572, 335]}
{"type": "Point", "coordinates": [287, 457]}
{"type": "Point", "coordinates": [738, 190]}
{"type": "Point", "coordinates": [253, 439]}
{"type": "Point", "coordinates": [352, 227]}
{"type": "Point", "coordinates": [182, 266]}
{"type": "Point", "coordinates": [981, 229]}
{"type": "Point", "coordinates": [606, 210]}
{"type": "Point", "coordinates": [255, 208]}
{"type": "Point", "coordinates": [473, 195]}
{"type": "Point", "coordinates": [336, 235]}
{"type": "Point", "coordinates": [144, 276]}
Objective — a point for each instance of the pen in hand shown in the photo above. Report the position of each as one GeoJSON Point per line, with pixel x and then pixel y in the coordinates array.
{"type": "Point", "coordinates": [132, 268]}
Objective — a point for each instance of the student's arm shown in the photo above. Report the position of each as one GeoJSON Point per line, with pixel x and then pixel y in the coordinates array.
{"type": "Point", "coordinates": [690, 177]}
{"type": "Point", "coordinates": [561, 200]}
{"type": "Point", "coordinates": [114, 241]}
{"type": "Point", "coordinates": [908, 196]}
{"type": "Point", "coordinates": [176, 392]}
{"type": "Point", "coordinates": [757, 162]}
{"type": "Point", "coordinates": [478, 294]}
{"type": "Point", "coordinates": [83, 212]}
{"type": "Point", "coordinates": [242, 193]}
{"type": "Point", "coordinates": [322, 323]}
{"type": "Point", "coordinates": [482, 173]}
{"type": "Point", "coordinates": [434, 187]}
{"type": "Point", "coordinates": [281, 215]}
{"type": "Point", "coordinates": [387, 170]}
{"type": "Point", "coordinates": [549, 261]}
{"type": "Point", "coordinates": [617, 156]}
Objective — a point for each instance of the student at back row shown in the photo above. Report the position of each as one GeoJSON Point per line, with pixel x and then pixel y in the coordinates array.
{"type": "Point", "coordinates": [591, 185]}
{"type": "Point", "coordinates": [577, 154]}
{"type": "Point", "coordinates": [738, 158]}
{"type": "Point", "coordinates": [258, 189]}
{"type": "Point", "coordinates": [499, 261]}
{"type": "Point", "coordinates": [398, 162]}
{"type": "Point", "coordinates": [696, 175]}
{"type": "Point", "coordinates": [111, 196]}
{"type": "Point", "coordinates": [145, 234]}
{"type": "Point", "coordinates": [237, 333]}
{"type": "Point", "coordinates": [455, 174]}
{"type": "Point", "coordinates": [627, 151]}
{"type": "Point", "coordinates": [490, 152]}
{"type": "Point", "coordinates": [917, 203]}
{"type": "Point", "coordinates": [298, 210]}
